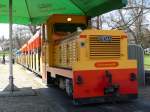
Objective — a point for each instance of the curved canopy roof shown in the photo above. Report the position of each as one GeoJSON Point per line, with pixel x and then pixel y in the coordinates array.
{"type": "Point", "coordinates": [37, 11]}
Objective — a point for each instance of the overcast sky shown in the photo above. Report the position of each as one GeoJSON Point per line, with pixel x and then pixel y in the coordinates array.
{"type": "Point", "coordinates": [4, 30]}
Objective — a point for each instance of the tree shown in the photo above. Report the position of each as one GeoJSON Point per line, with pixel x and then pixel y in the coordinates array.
{"type": "Point", "coordinates": [132, 19]}
{"type": "Point", "coordinates": [33, 29]}
{"type": "Point", "coordinates": [21, 34]}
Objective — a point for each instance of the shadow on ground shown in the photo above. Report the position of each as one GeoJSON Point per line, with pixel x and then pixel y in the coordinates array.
{"type": "Point", "coordinates": [52, 99]}
{"type": "Point", "coordinates": [64, 103]}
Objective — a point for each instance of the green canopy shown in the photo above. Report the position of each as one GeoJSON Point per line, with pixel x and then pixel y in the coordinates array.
{"type": "Point", "coordinates": [37, 11]}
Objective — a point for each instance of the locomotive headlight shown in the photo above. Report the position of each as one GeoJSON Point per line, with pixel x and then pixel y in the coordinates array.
{"type": "Point", "coordinates": [82, 44]}
{"type": "Point", "coordinates": [69, 19]}
{"type": "Point", "coordinates": [82, 40]}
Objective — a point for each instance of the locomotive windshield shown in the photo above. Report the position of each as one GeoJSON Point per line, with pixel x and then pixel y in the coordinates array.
{"type": "Point", "coordinates": [65, 27]}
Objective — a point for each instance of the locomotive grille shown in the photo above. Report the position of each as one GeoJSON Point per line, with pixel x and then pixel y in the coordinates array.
{"type": "Point", "coordinates": [104, 49]}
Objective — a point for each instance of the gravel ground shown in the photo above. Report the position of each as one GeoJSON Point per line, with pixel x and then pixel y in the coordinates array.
{"type": "Point", "coordinates": [52, 99]}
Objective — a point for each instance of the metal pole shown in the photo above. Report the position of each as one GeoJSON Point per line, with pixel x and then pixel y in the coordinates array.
{"type": "Point", "coordinates": [11, 83]}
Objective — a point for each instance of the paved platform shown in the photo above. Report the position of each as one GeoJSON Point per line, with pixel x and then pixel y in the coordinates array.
{"type": "Point", "coordinates": [27, 97]}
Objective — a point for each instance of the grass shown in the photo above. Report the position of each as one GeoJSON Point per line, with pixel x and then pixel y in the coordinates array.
{"type": "Point", "coordinates": [3, 52]}
{"type": "Point", "coordinates": [147, 61]}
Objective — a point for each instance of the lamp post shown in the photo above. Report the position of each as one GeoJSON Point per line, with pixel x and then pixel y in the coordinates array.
{"type": "Point", "coordinates": [11, 82]}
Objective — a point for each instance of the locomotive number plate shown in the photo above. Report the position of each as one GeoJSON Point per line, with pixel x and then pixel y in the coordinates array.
{"type": "Point", "coordinates": [105, 38]}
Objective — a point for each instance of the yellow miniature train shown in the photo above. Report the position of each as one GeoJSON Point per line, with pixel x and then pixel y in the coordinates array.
{"type": "Point", "coordinates": [87, 63]}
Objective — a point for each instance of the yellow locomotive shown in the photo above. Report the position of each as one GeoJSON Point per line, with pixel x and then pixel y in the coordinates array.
{"type": "Point", "coordinates": [87, 63]}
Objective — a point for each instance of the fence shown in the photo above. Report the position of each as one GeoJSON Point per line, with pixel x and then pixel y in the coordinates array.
{"type": "Point", "coordinates": [136, 52]}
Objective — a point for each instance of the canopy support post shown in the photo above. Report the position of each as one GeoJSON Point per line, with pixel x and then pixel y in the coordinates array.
{"type": "Point", "coordinates": [11, 82]}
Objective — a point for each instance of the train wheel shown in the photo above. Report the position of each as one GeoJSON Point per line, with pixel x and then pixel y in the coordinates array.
{"type": "Point", "coordinates": [62, 83]}
{"type": "Point", "coordinates": [69, 87]}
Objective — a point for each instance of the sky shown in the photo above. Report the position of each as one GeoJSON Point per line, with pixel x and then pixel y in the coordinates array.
{"type": "Point", "coordinates": [4, 30]}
